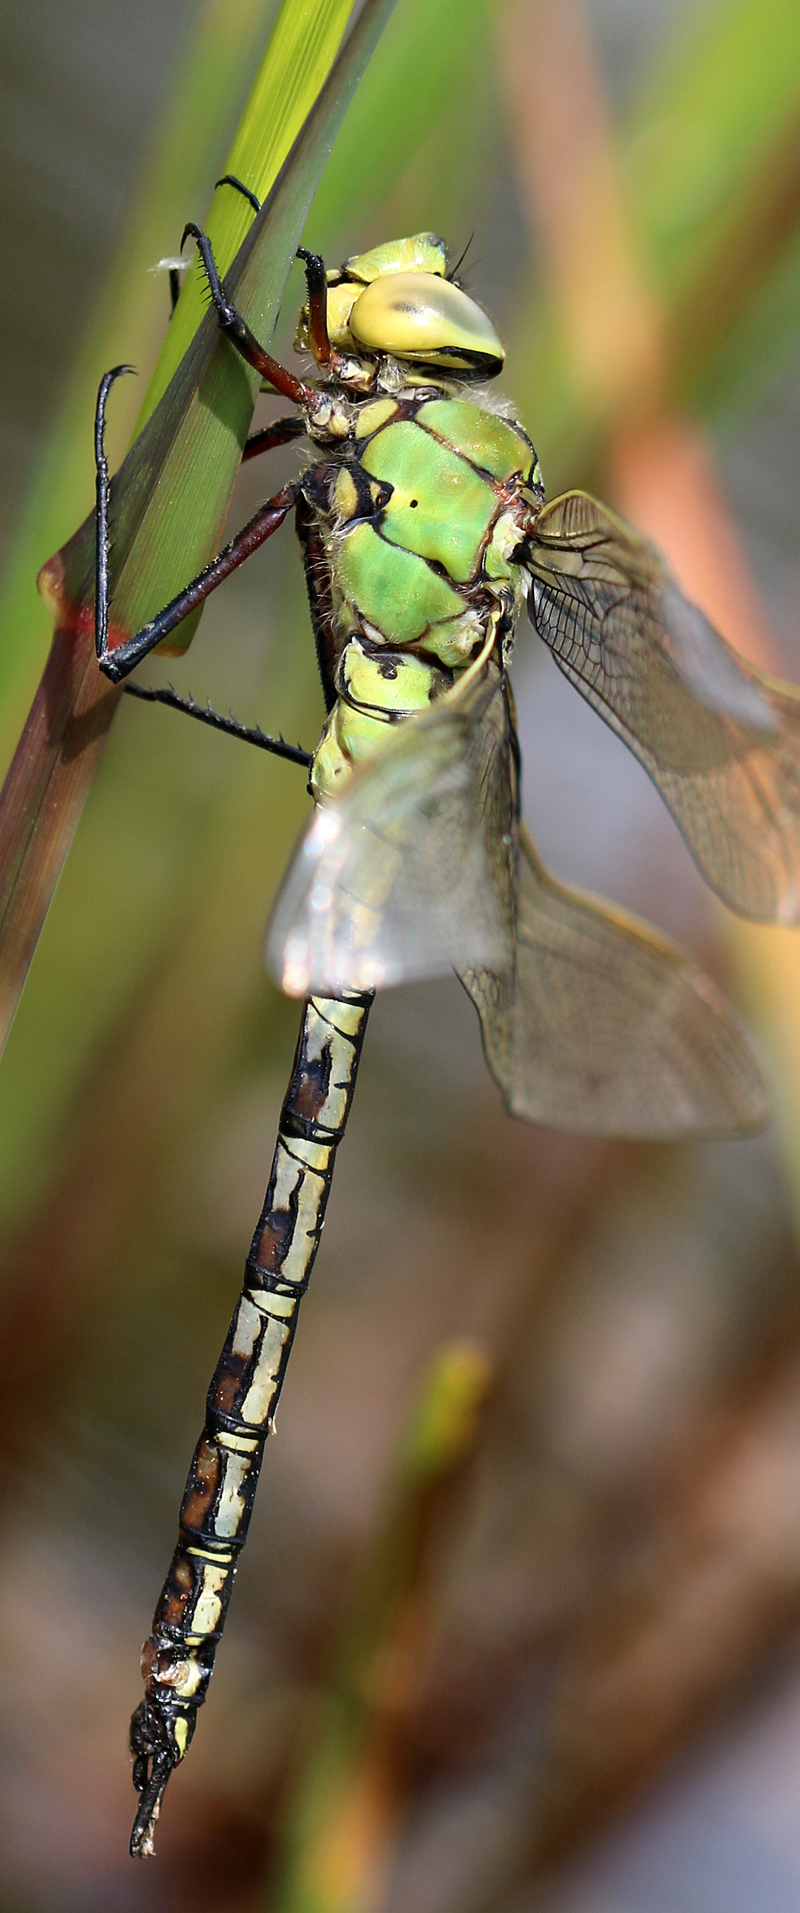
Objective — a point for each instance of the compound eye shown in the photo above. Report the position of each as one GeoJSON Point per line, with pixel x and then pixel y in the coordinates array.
{"type": "Point", "coordinates": [419, 316]}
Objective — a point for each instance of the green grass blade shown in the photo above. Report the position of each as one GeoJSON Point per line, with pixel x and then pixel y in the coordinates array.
{"type": "Point", "coordinates": [188, 453]}
{"type": "Point", "coordinates": [190, 446]}
{"type": "Point", "coordinates": [292, 73]}
{"type": "Point", "coordinates": [186, 154]}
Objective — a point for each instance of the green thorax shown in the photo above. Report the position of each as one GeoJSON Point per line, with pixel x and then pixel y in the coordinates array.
{"type": "Point", "coordinates": [421, 515]}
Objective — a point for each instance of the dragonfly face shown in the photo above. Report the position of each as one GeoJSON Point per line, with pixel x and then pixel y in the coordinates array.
{"type": "Point", "coordinates": [398, 301]}
{"type": "Point", "coordinates": [423, 527]}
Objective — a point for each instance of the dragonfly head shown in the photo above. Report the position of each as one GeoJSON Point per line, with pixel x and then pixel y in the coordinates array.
{"type": "Point", "coordinates": [397, 300]}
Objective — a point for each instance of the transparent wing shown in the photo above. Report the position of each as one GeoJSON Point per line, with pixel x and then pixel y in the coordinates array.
{"type": "Point", "coordinates": [608, 1029]}
{"type": "Point", "coordinates": [410, 871]}
{"type": "Point", "coordinates": [721, 741]}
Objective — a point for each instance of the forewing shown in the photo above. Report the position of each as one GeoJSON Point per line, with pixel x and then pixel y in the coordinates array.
{"type": "Point", "coordinates": [410, 870]}
{"type": "Point", "coordinates": [721, 741]}
{"type": "Point", "coordinates": [609, 1029]}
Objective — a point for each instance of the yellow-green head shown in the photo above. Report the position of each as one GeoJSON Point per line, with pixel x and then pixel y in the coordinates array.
{"type": "Point", "coordinates": [397, 300]}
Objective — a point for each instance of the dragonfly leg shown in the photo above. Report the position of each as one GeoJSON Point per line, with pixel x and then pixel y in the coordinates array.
{"type": "Point", "coordinates": [238, 331]}
{"type": "Point", "coordinates": [205, 713]}
{"type": "Point", "coordinates": [280, 432]}
{"type": "Point", "coordinates": [178, 1657]}
{"type": "Point", "coordinates": [316, 281]}
{"type": "Point", "coordinates": [317, 290]}
{"type": "Point", "coordinates": [230, 179]}
{"type": "Point", "coordinates": [320, 602]}
{"type": "Point", "coordinates": [117, 663]}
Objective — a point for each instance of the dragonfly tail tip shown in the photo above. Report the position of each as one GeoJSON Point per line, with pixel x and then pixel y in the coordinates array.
{"type": "Point", "coordinates": [142, 1845]}
{"type": "Point", "coordinates": [154, 1757]}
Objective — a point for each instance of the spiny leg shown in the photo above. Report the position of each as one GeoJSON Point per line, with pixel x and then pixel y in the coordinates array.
{"type": "Point", "coordinates": [205, 713]}
{"type": "Point", "coordinates": [320, 602]}
{"type": "Point", "coordinates": [280, 432]}
{"type": "Point", "coordinates": [238, 331]}
{"type": "Point", "coordinates": [117, 663]}
{"type": "Point", "coordinates": [176, 266]}
{"type": "Point", "coordinates": [178, 1657]}
{"type": "Point", "coordinates": [102, 500]}
{"type": "Point", "coordinates": [316, 281]}
{"type": "Point", "coordinates": [245, 341]}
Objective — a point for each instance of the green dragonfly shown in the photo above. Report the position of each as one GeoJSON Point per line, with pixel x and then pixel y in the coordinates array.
{"type": "Point", "coordinates": [423, 527]}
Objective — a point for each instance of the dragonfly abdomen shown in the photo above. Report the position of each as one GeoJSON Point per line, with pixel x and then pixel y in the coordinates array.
{"type": "Point", "coordinates": [178, 1657]}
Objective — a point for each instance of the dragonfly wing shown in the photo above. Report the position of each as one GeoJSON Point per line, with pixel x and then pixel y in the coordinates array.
{"type": "Point", "coordinates": [720, 741]}
{"type": "Point", "coordinates": [410, 870]}
{"type": "Point", "coordinates": [608, 1029]}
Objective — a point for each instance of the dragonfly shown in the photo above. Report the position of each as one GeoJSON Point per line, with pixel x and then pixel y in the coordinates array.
{"type": "Point", "coordinates": [424, 530]}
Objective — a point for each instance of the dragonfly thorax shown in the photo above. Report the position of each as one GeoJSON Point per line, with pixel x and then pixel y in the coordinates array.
{"type": "Point", "coordinates": [421, 515]}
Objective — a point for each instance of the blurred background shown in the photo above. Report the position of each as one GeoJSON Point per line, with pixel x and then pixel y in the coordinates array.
{"type": "Point", "coordinates": [518, 1628]}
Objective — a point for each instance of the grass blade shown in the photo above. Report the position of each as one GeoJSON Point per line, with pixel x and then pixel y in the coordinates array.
{"type": "Point", "coordinates": [188, 453]}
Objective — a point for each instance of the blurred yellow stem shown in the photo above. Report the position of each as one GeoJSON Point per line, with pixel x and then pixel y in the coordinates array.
{"type": "Point", "coordinates": [349, 1794]}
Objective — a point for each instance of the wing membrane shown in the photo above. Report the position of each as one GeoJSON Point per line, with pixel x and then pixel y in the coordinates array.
{"type": "Point", "coordinates": [410, 871]}
{"type": "Point", "coordinates": [720, 740]}
{"type": "Point", "coordinates": [607, 1029]}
